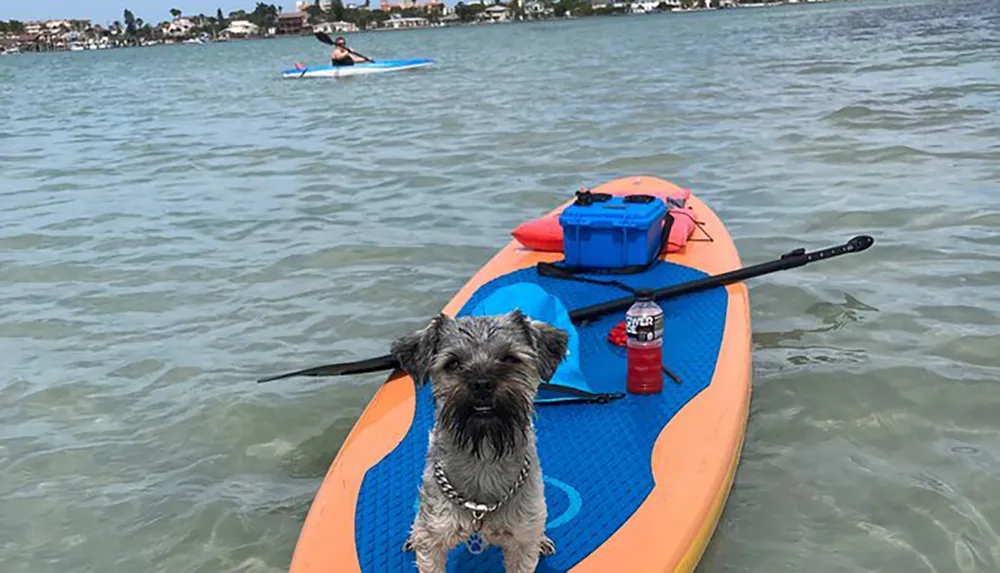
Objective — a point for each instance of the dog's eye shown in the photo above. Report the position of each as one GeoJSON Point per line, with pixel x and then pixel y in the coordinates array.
{"type": "Point", "coordinates": [510, 359]}
{"type": "Point", "coordinates": [451, 365]}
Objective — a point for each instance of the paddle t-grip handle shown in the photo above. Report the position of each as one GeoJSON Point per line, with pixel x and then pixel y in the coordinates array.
{"type": "Point", "coordinates": [855, 245]}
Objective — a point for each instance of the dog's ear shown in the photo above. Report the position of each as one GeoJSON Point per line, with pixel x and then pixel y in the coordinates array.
{"type": "Point", "coordinates": [550, 343]}
{"type": "Point", "coordinates": [415, 352]}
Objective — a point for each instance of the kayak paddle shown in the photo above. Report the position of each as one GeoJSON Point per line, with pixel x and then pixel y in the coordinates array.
{"type": "Point", "coordinates": [325, 38]}
{"type": "Point", "coordinates": [791, 260]}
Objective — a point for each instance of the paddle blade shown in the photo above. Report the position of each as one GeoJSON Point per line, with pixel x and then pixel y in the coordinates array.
{"type": "Point", "coordinates": [324, 37]}
{"type": "Point", "coordinates": [386, 362]}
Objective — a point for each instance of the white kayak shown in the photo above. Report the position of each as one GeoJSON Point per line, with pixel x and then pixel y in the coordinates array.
{"type": "Point", "coordinates": [329, 71]}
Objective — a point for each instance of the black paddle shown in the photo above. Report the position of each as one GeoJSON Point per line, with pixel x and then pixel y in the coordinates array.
{"type": "Point", "coordinates": [796, 258]}
{"type": "Point", "coordinates": [325, 38]}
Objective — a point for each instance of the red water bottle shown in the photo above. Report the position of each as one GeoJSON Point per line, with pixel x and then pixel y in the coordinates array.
{"type": "Point", "coordinates": [644, 328]}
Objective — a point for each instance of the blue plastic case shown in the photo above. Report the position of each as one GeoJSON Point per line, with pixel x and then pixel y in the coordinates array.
{"type": "Point", "coordinates": [605, 232]}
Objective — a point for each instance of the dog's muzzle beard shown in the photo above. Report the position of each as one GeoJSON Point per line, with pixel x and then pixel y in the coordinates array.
{"type": "Point", "coordinates": [476, 419]}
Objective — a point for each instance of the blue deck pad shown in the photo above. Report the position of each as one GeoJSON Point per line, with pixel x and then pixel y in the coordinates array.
{"type": "Point", "coordinates": [595, 457]}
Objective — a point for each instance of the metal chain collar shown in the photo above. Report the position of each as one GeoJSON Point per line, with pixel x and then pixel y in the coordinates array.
{"type": "Point", "coordinates": [479, 510]}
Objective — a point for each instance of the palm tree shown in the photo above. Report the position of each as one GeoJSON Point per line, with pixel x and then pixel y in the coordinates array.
{"type": "Point", "coordinates": [175, 13]}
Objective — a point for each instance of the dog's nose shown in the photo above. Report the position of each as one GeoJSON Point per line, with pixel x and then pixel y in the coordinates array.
{"type": "Point", "coordinates": [482, 386]}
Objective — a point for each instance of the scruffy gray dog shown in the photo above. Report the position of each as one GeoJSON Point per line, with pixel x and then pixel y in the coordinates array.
{"type": "Point", "coordinates": [482, 473]}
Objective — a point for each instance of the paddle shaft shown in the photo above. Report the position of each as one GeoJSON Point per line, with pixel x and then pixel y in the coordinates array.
{"type": "Point", "coordinates": [796, 258]}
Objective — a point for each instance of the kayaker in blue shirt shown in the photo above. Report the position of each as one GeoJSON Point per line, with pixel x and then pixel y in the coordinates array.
{"type": "Point", "coordinates": [343, 56]}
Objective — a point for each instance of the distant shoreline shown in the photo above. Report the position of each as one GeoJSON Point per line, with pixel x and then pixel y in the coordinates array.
{"type": "Point", "coordinates": [12, 47]}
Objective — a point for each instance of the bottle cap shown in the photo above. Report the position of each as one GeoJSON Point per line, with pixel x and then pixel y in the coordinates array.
{"type": "Point", "coordinates": [644, 295]}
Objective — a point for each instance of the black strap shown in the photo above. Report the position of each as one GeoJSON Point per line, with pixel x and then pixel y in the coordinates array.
{"type": "Point", "coordinates": [579, 395]}
{"type": "Point", "coordinates": [554, 271]}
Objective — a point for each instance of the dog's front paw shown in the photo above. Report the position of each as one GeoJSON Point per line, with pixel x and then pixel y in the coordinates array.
{"type": "Point", "coordinates": [548, 547]}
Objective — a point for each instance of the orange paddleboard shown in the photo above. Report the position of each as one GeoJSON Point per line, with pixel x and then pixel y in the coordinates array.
{"type": "Point", "coordinates": [635, 484]}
